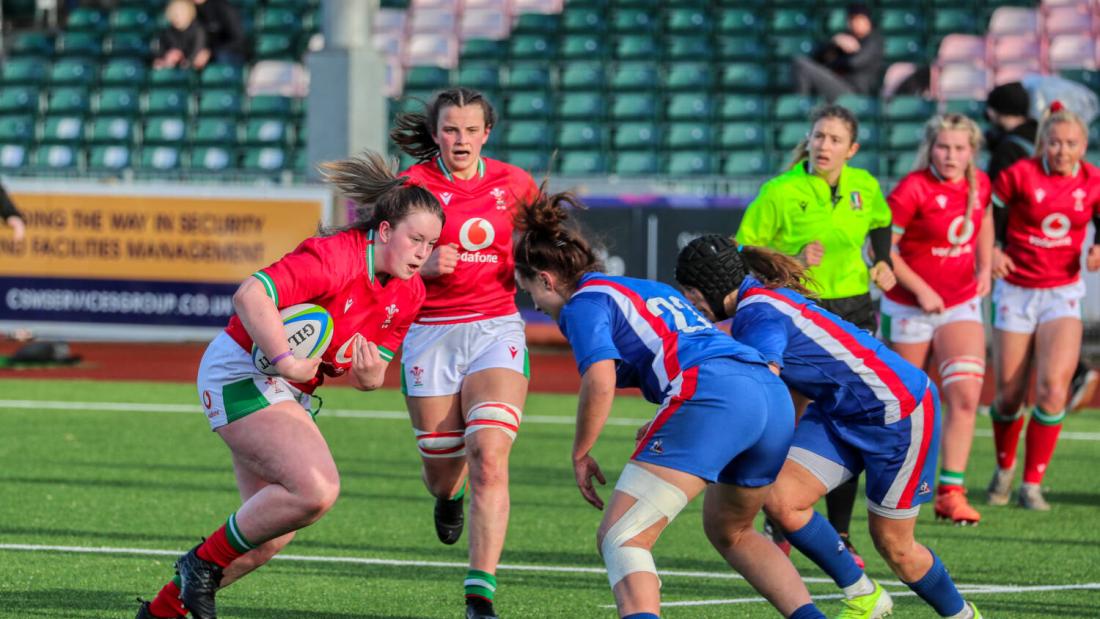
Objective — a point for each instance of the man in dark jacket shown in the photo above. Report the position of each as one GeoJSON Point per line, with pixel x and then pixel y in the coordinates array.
{"type": "Point", "coordinates": [224, 33]}
{"type": "Point", "coordinates": [850, 63]}
{"type": "Point", "coordinates": [1011, 136]}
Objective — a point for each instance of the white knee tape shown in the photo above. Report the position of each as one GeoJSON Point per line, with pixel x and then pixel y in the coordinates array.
{"type": "Point", "coordinates": [656, 499]}
{"type": "Point", "coordinates": [440, 444]}
{"type": "Point", "coordinates": [499, 415]}
{"type": "Point", "coordinates": [962, 368]}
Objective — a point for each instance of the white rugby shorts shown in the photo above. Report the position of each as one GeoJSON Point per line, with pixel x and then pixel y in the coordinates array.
{"type": "Point", "coordinates": [436, 358]}
{"type": "Point", "coordinates": [1022, 310]}
{"type": "Point", "coordinates": [907, 324]}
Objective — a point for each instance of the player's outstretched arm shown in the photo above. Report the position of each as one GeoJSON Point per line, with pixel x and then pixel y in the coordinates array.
{"type": "Point", "coordinates": [596, 395]}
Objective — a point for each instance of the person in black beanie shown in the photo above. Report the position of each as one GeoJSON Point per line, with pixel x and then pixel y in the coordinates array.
{"type": "Point", "coordinates": [1012, 136]}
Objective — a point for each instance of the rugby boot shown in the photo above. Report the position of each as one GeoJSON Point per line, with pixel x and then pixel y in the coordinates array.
{"type": "Point", "coordinates": [144, 612]}
{"type": "Point", "coordinates": [448, 520]}
{"type": "Point", "coordinates": [975, 613]}
{"type": "Point", "coordinates": [477, 608]}
{"type": "Point", "coordinates": [1031, 497]}
{"type": "Point", "coordinates": [951, 504]}
{"type": "Point", "coordinates": [1000, 487]}
{"type": "Point", "coordinates": [199, 581]}
{"type": "Point", "coordinates": [874, 605]}
{"type": "Point", "coordinates": [1082, 388]}
{"type": "Point", "coordinates": [852, 550]}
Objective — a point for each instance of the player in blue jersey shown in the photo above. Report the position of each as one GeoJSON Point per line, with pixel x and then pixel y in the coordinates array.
{"type": "Point", "coordinates": [872, 411]}
{"type": "Point", "coordinates": [635, 333]}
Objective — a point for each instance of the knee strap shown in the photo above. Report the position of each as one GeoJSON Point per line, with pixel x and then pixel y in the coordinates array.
{"type": "Point", "coordinates": [440, 444]}
{"type": "Point", "coordinates": [656, 499]}
{"type": "Point", "coordinates": [962, 368]}
{"type": "Point", "coordinates": [499, 415]}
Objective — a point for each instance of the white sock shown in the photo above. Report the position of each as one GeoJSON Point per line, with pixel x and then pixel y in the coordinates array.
{"type": "Point", "coordinates": [966, 613]}
{"type": "Point", "coordinates": [863, 586]}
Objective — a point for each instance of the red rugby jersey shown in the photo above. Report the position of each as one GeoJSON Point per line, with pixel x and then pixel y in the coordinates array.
{"type": "Point", "coordinates": [937, 241]}
{"type": "Point", "coordinates": [337, 273]}
{"type": "Point", "coordinates": [1047, 218]}
{"type": "Point", "coordinates": [480, 220]}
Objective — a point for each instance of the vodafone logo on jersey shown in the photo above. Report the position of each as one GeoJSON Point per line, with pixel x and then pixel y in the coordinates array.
{"type": "Point", "coordinates": [960, 231]}
{"type": "Point", "coordinates": [1056, 227]}
{"type": "Point", "coordinates": [475, 235]}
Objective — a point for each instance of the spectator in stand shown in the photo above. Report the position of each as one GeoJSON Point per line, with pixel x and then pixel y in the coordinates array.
{"type": "Point", "coordinates": [1011, 138]}
{"type": "Point", "coordinates": [849, 63]}
{"type": "Point", "coordinates": [11, 216]}
{"type": "Point", "coordinates": [224, 33]}
{"type": "Point", "coordinates": [183, 43]}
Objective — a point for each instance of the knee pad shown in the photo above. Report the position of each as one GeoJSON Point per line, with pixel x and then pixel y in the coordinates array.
{"type": "Point", "coordinates": [499, 415]}
{"type": "Point", "coordinates": [962, 368]}
{"type": "Point", "coordinates": [656, 499]}
{"type": "Point", "coordinates": [440, 444]}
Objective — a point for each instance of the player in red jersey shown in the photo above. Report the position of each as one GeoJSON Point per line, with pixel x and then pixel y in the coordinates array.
{"type": "Point", "coordinates": [366, 276]}
{"type": "Point", "coordinates": [943, 239]}
{"type": "Point", "coordinates": [1043, 207]}
{"type": "Point", "coordinates": [464, 363]}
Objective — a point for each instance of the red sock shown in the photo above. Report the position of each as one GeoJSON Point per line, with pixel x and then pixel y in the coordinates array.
{"type": "Point", "coordinates": [217, 549]}
{"type": "Point", "coordinates": [167, 604]}
{"type": "Point", "coordinates": [1006, 437]}
{"type": "Point", "coordinates": [1042, 436]}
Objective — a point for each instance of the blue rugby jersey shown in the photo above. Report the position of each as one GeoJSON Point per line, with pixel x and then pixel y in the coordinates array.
{"type": "Point", "coordinates": [649, 328]}
{"type": "Point", "coordinates": [847, 372]}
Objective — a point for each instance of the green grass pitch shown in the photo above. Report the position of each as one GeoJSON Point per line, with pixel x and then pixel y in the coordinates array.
{"type": "Point", "coordinates": [102, 484]}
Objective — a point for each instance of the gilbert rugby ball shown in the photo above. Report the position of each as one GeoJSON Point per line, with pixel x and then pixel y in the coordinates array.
{"type": "Point", "coordinates": [308, 329]}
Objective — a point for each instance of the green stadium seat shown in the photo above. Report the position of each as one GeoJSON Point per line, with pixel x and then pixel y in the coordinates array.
{"type": "Point", "coordinates": [82, 19]}
{"type": "Point", "coordinates": [902, 47]}
{"type": "Point", "coordinates": [271, 106]}
{"type": "Point", "coordinates": [111, 130]}
{"type": "Point", "coordinates": [167, 102]}
{"type": "Point", "coordinates": [212, 159]}
{"type": "Point", "coordinates": [968, 107]}
{"type": "Point", "coordinates": [162, 158]}
{"type": "Point", "coordinates": [740, 48]}
{"type": "Point", "coordinates": [479, 75]}
{"type": "Point", "coordinates": [1083, 76]}
{"type": "Point", "coordinates": [688, 76]}
{"type": "Point", "coordinates": [68, 100]}
{"type": "Point", "coordinates": [173, 78]}
{"type": "Point", "coordinates": [536, 23]}
{"type": "Point", "coordinates": [14, 157]}
{"type": "Point", "coordinates": [165, 130]}
{"type": "Point", "coordinates": [221, 75]}
{"type": "Point", "coordinates": [17, 129]}
{"type": "Point", "coordinates": [636, 135]}
{"type": "Point", "coordinates": [634, 76]}
{"type": "Point", "coordinates": [427, 78]}
{"type": "Point", "coordinates": [32, 71]}
{"type": "Point", "coordinates": [689, 164]}
{"type": "Point", "coordinates": [214, 131]}
{"type": "Point", "coordinates": [39, 44]}
{"type": "Point", "coordinates": [788, 136]}
{"type": "Point", "coordinates": [686, 135]}
{"type": "Point", "coordinates": [742, 107]}
{"type": "Point", "coordinates": [908, 107]}
{"type": "Point", "coordinates": [582, 47]}
{"type": "Point", "coordinates": [835, 20]}
{"type": "Point", "coordinates": [127, 45]}
{"type": "Point", "coordinates": [738, 20]}
{"type": "Point", "coordinates": [72, 72]}
{"type": "Point", "coordinates": [744, 77]}
{"type": "Point", "coordinates": [747, 164]}
{"type": "Point", "coordinates": [689, 106]}
{"type": "Point", "coordinates": [526, 105]}
{"type": "Point", "coordinates": [687, 20]}
{"type": "Point", "coordinates": [863, 107]}
{"type": "Point", "coordinates": [866, 159]}
{"type": "Point", "coordinates": [869, 134]}
{"type": "Point", "coordinates": [582, 163]}
{"type": "Point", "coordinates": [582, 75]}
{"type": "Point", "coordinates": [905, 136]}
{"type": "Point", "coordinates": [528, 76]}
{"type": "Point", "coordinates": [56, 157]}
{"type": "Point", "coordinates": [633, 21]}
{"type": "Point", "coordinates": [219, 103]}
{"type": "Point", "coordinates": [264, 159]}
{"type": "Point", "coordinates": [132, 19]}
{"type": "Point", "coordinates": [123, 72]}
{"type": "Point", "coordinates": [953, 20]}
{"type": "Point", "coordinates": [110, 157]}
{"type": "Point", "coordinates": [274, 46]}
{"type": "Point", "coordinates": [743, 136]}
{"type": "Point", "coordinates": [581, 106]}
{"type": "Point", "coordinates": [484, 49]}
{"type": "Point", "coordinates": [792, 108]}
{"type": "Point", "coordinates": [636, 163]}
{"type": "Point", "coordinates": [531, 46]}
{"type": "Point", "coordinates": [900, 21]}
{"type": "Point", "coordinates": [526, 134]}
{"type": "Point", "coordinates": [82, 44]}
{"type": "Point", "coordinates": [633, 107]}
{"type": "Point", "coordinates": [635, 47]}
{"type": "Point", "coordinates": [265, 131]}
{"type": "Point", "coordinates": [278, 19]}
{"type": "Point", "coordinates": [535, 162]}
{"type": "Point", "coordinates": [683, 47]}
{"type": "Point", "coordinates": [785, 47]}
{"type": "Point", "coordinates": [581, 135]}
{"type": "Point", "coordinates": [118, 101]}
{"type": "Point", "coordinates": [902, 163]}
{"type": "Point", "coordinates": [19, 100]}
{"type": "Point", "coordinates": [583, 19]}
{"type": "Point", "coordinates": [786, 21]}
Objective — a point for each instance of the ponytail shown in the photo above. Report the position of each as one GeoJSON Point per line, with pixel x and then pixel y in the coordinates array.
{"type": "Point", "coordinates": [551, 241]}
{"type": "Point", "coordinates": [380, 195]}
{"type": "Point", "coordinates": [777, 270]}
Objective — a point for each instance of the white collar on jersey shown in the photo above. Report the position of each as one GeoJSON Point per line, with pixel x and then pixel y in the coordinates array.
{"type": "Point", "coordinates": [1046, 168]}
{"type": "Point", "coordinates": [447, 173]}
{"type": "Point", "coordinates": [370, 255]}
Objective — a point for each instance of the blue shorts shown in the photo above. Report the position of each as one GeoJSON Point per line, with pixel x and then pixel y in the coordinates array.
{"type": "Point", "coordinates": [900, 458]}
{"type": "Point", "coordinates": [730, 422]}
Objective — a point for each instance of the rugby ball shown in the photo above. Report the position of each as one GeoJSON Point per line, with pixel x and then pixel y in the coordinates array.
{"type": "Point", "coordinates": [308, 329]}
